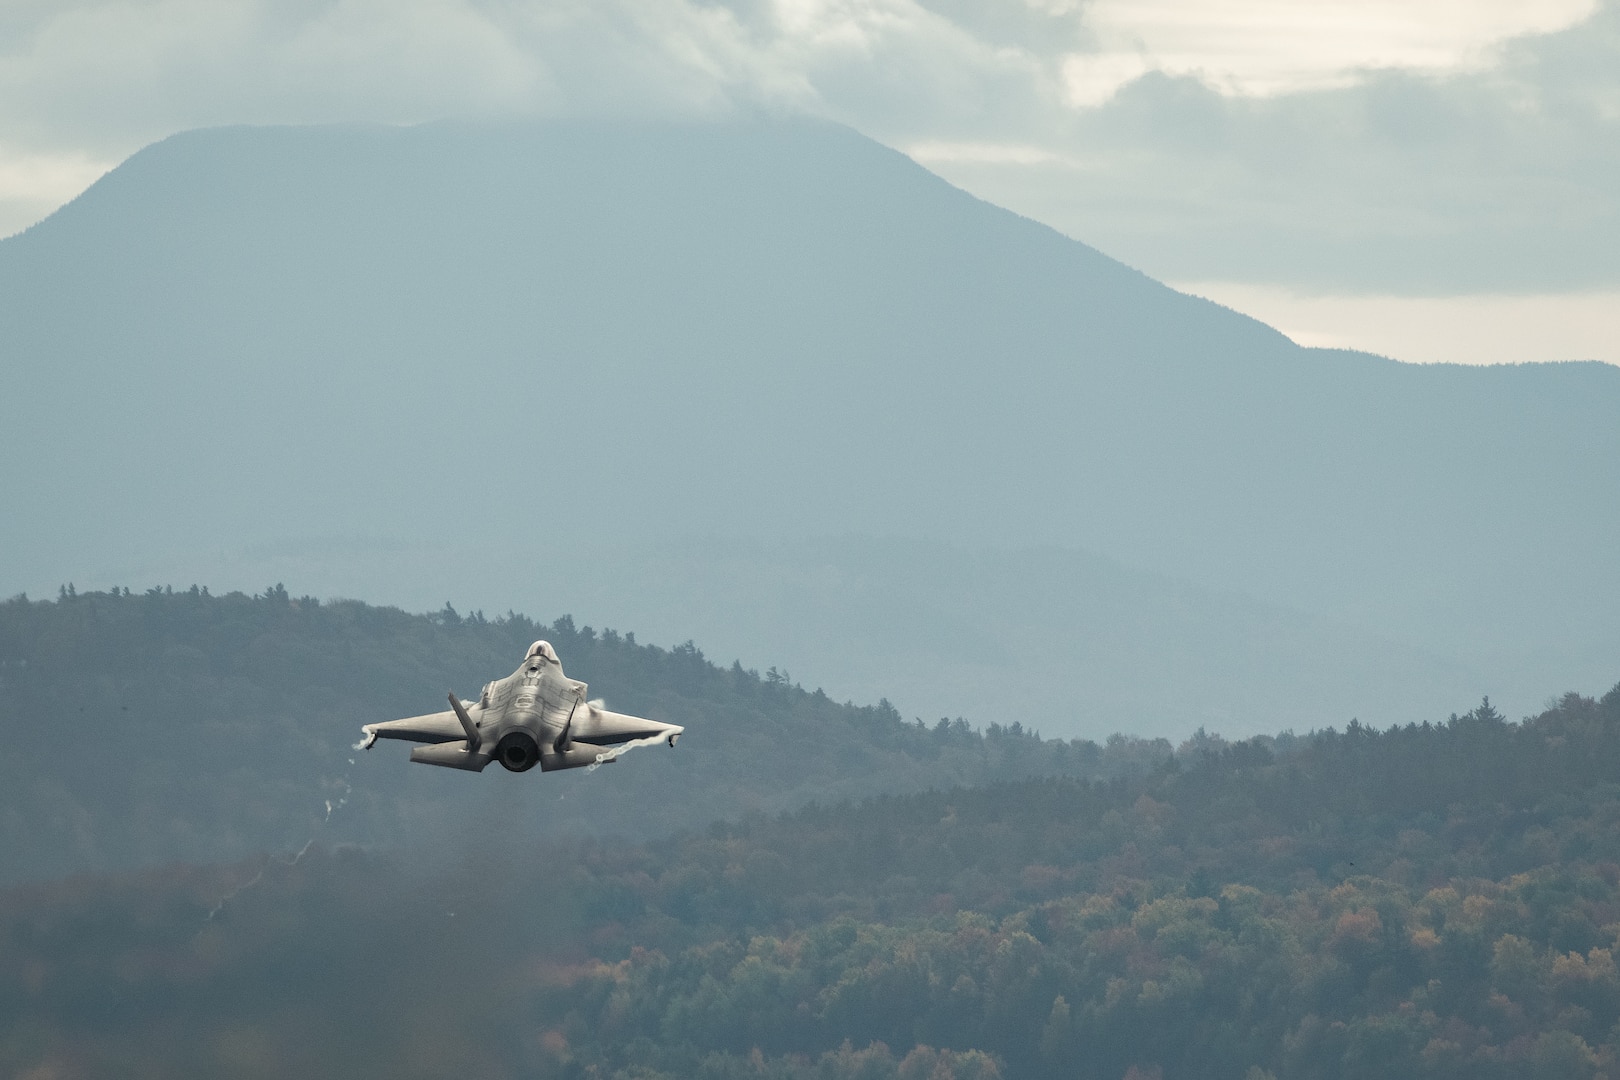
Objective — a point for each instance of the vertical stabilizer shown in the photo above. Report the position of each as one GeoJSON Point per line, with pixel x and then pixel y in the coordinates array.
{"type": "Point", "coordinates": [466, 724]}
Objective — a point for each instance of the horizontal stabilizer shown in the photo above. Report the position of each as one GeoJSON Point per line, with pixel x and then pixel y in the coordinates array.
{"type": "Point", "coordinates": [581, 756]}
{"type": "Point", "coordinates": [451, 756]}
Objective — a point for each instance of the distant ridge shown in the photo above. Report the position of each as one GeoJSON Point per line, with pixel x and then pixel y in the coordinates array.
{"type": "Point", "coordinates": [542, 337]}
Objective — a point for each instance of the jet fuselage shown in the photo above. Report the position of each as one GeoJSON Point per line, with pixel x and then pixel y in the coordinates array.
{"type": "Point", "coordinates": [535, 716]}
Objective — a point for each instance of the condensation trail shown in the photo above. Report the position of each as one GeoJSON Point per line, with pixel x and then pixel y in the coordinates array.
{"type": "Point", "coordinates": [331, 807]}
{"type": "Point", "coordinates": [624, 748]}
{"type": "Point", "coordinates": [343, 800]}
{"type": "Point", "coordinates": [256, 878]}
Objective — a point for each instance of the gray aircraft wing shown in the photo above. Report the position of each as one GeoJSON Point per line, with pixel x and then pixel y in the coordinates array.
{"type": "Point", "coordinates": [436, 727]}
{"type": "Point", "coordinates": [599, 727]}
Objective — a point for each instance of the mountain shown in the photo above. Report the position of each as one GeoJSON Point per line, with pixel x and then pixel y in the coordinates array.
{"type": "Point", "coordinates": [509, 350]}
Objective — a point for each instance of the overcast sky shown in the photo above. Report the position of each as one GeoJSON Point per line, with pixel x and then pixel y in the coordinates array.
{"type": "Point", "coordinates": [1432, 179]}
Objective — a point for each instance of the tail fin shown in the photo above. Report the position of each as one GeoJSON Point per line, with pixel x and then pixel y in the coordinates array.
{"type": "Point", "coordinates": [565, 741]}
{"type": "Point", "coordinates": [466, 724]}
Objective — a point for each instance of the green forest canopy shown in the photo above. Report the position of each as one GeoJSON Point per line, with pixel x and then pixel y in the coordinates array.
{"type": "Point", "coordinates": [1431, 901]}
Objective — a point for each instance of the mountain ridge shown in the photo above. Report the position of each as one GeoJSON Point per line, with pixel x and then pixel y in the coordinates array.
{"type": "Point", "coordinates": [768, 330]}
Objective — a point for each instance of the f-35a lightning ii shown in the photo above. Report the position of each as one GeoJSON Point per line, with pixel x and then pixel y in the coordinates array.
{"type": "Point", "coordinates": [534, 716]}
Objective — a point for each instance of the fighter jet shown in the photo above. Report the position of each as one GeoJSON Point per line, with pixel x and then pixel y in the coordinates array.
{"type": "Point", "coordinates": [534, 716]}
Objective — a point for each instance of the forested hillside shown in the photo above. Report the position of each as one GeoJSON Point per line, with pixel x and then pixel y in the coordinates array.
{"type": "Point", "coordinates": [143, 728]}
{"type": "Point", "coordinates": [1432, 901]}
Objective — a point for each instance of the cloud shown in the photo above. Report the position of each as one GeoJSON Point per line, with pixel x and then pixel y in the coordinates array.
{"type": "Point", "coordinates": [34, 184]}
{"type": "Point", "coordinates": [1479, 329]}
{"type": "Point", "coordinates": [1411, 144]}
{"type": "Point", "coordinates": [1268, 47]}
{"type": "Point", "coordinates": [1490, 179]}
{"type": "Point", "coordinates": [103, 69]}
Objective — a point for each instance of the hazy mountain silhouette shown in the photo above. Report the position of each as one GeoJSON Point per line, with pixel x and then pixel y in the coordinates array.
{"type": "Point", "coordinates": [1067, 642]}
{"type": "Point", "coordinates": [553, 339]}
